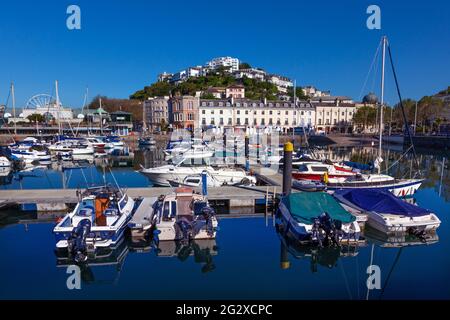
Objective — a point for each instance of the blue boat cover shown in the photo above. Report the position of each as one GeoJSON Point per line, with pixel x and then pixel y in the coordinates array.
{"type": "Point", "coordinates": [360, 166]}
{"type": "Point", "coordinates": [381, 201]}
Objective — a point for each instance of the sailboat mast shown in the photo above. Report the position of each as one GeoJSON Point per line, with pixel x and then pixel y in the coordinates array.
{"type": "Point", "coordinates": [58, 107]}
{"type": "Point", "coordinates": [383, 63]}
{"type": "Point", "coordinates": [14, 107]}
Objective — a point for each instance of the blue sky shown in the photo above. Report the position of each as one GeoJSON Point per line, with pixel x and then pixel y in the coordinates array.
{"type": "Point", "coordinates": [123, 45]}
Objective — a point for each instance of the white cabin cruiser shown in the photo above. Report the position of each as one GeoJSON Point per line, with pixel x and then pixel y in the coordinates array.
{"type": "Point", "coordinates": [178, 172]}
{"type": "Point", "coordinates": [99, 220]}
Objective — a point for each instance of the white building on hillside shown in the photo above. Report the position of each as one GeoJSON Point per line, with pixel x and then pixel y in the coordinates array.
{"type": "Point", "coordinates": [251, 73]}
{"type": "Point", "coordinates": [282, 83]}
{"type": "Point", "coordinates": [227, 62]}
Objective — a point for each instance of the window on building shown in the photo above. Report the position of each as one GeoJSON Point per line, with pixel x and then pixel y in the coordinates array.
{"type": "Point", "coordinates": [278, 122]}
{"type": "Point", "coordinates": [221, 112]}
{"type": "Point", "coordinates": [263, 121]}
{"type": "Point", "coordinates": [238, 121]}
{"type": "Point", "coordinates": [203, 121]}
{"type": "Point", "coordinates": [286, 112]}
{"type": "Point", "coordinates": [221, 121]}
{"type": "Point", "coordinates": [238, 111]}
{"type": "Point", "coordinates": [212, 122]}
{"type": "Point", "coordinates": [246, 121]}
{"type": "Point", "coordinates": [270, 112]}
{"type": "Point", "coordinates": [286, 122]}
{"type": "Point", "coordinates": [246, 111]}
{"type": "Point", "coordinates": [302, 113]}
{"type": "Point", "coordinates": [270, 121]}
{"type": "Point", "coordinates": [203, 111]}
{"type": "Point", "coordinates": [229, 121]}
{"type": "Point", "coordinates": [320, 121]}
{"type": "Point", "coordinates": [212, 111]}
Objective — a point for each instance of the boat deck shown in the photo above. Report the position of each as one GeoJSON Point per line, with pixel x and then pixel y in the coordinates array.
{"type": "Point", "coordinates": [144, 212]}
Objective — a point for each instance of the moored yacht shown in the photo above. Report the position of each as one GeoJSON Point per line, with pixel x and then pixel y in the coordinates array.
{"type": "Point", "coordinates": [190, 167]}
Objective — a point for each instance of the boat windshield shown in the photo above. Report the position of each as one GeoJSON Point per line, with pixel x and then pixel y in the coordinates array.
{"type": "Point", "coordinates": [192, 162]}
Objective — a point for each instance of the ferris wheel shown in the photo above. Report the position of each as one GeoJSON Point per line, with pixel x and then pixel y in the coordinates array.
{"type": "Point", "coordinates": [40, 101]}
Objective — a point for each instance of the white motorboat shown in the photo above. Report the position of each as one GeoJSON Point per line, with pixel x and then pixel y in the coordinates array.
{"type": "Point", "coordinates": [95, 143]}
{"type": "Point", "coordinates": [388, 213]}
{"type": "Point", "coordinates": [182, 215]}
{"type": "Point", "coordinates": [316, 218]}
{"type": "Point", "coordinates": [82, 150]}
{"type": "Point", "coordinates": [4, 162]}
{"type": "Point", "coordinates": [98, 221]}
{"type": "Point", "coordinates": [318, 171]}
{"type": "Point", "coordinates": [178, 172]}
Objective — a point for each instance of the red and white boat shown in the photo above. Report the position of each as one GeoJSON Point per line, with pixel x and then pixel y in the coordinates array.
{"type": "Point", "coordinates": [316, 171]}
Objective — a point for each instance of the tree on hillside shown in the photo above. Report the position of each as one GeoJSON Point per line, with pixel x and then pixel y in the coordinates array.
{"type": "Point", "coordinates": [244, 65]}
{"type": "Point", "coordinates": [298, 92]}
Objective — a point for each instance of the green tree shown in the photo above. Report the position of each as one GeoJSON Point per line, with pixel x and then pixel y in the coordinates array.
{"type": "Point", "coordinates": [365, 117]}
{"type": "Point", "coordinates": [36, 117]}
{"type": "Point", "coordinates": [244, 65]}
{"type": "Point", "coordinates": [298, 92]}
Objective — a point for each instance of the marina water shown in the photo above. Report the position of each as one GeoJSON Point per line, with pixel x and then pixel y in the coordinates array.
{"type": "Point", "coordinates": [248, 260]}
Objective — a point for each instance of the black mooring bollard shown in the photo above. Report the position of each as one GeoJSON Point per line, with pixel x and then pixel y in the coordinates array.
{"type": "Point", "coordinates": [247, 153]}
{"type": "Point", "coordinates": [287, 168]}
{"type": "Point", "coordinates": [224, 152]}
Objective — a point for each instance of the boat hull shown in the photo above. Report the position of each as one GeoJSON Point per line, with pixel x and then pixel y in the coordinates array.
{"type": "Point", "coordinates": [400, 188]}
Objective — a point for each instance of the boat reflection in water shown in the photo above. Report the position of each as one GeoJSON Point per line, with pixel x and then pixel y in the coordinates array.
{"type": "Point", "coordinates": [102, 267]}
{"type": "Point", "coordinates": [398, 240]}
{"type": "Point", "coordinates": [327, 256]}
{"type": "Point", "coordinates": [202, 250]}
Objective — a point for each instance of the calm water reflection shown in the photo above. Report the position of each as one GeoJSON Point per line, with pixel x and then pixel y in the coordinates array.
{"type": "Point", "coordinates": [247, 260]}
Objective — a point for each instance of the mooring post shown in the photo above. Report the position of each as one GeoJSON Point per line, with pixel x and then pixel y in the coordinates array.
{"type": "Point", "coordinates": [205, 183]}
{"type": "Point", "coordinates": [235, 150]}
{"type": "Point", "coordinates": [247, 153]}
{"type": "Point", "coordinates": [224, 147]}
{"type": "Point", "coordinates": [284, 257]}
{"type": "Point", "coordinates": [257, 146]}
{"type": "Point", "coordinates": [287, 168]}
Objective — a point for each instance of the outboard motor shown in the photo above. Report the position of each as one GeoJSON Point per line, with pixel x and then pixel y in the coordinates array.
{"type": "Point", "coordinates": [77, 242]}
{"type": "Point", "coordinates": [208, 213]}
{"type": "Point", "coordinates": [185, 228]}
{"type": "Point", "coordinates": [337, 231]}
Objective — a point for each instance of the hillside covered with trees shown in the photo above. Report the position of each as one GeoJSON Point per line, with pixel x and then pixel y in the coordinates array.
{"type": "Point", "coordinates": [254, 89]}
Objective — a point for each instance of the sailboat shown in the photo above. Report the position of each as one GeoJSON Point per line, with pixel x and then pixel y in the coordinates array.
{"type": "Point", "coordinates": [399, 187]}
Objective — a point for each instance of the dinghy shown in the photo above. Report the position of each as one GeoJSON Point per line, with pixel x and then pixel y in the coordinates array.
{"type": "Point", "coordinates": [388, 213]}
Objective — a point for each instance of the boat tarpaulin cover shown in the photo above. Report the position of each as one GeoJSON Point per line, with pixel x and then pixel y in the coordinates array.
{"type": "Point", "coordinates": [307, 206]}
{"type": "Point", "coordinates": [357, 165]}
{"type": "Point", "coordinates": [381, 201]}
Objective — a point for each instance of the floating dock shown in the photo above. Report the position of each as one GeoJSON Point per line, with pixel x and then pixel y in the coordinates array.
{"type": "Point", "coordinates": [233, 196]}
